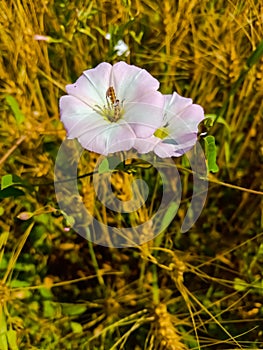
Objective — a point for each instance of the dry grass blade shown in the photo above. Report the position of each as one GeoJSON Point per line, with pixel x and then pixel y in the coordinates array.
{"type": "Point", "coordinates": [197, 290]}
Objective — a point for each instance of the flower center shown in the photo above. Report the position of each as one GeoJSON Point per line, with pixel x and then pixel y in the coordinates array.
{"type": "Point", "coordinates": [161, 133]}
{"type": "Point", "coordinates": [113, 105]}
{"type": "Point", "coordinates": [113, 111]}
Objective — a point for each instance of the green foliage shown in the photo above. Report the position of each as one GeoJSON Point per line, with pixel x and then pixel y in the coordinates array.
{"type": "Point", "coordinates": [11, 192]}
{"type": "Point", "coordinates": [12, 102]}
{"type": "Point", "coordinates": [10, 184]}
{"type": "Point", "coordinates": [211, 153]}
{"type": "Point", "coordinates": [197, 290]}
{"type": "Point", "coordinates": [108, 164]}
{"type": "Point", "coordinates": [169, 215]}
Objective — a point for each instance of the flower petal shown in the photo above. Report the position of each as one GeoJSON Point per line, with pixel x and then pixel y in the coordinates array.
{"type": "Point", "coordinates": [92, 130]}
{"type": "Point", "coordinates": [178, 147]}
{"type": "Point", "coordinates": [107, 140]}
{"type": "Point", "coordinates": [78, 117]}
{"type": "Point", "coordinates": [175, 103]}
{"type": "Point", "coordinates": [143, 110]}
{"type": "Point", "coordinates": [145, 118]}
{"type": "Point", "coordinates": [92, 85]}
{"type": "Point", "coordinates": [181, 119]}
{"type": "Point", "coordinates": [187, 121]}
{"type": "Point", "coordinates": [131, 83]}
{"type": "Point", "coordinates": [146, 145]}
{"type": "Point", "coordinates": [163, 150]}
{"type": "Point", "coordinates": [121, 138]}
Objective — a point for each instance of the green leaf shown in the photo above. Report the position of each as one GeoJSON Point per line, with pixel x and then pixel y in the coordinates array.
{"type": "Point", "coordinates": [50, 309]}
{"type": "Point", "coordinates": [18, 284]}
{"type": "Point", "coordinates": [260, 251]}
{"type": "Point", "coordinates": [256, 55]}
{"type": "Point", "coordinates": [3, 330]}
{"type": "Point", "coordinates": [240, 285]}
{"type": "Point", "coordinates": [12, 102]}
{"type": "Point", "coordinates": [46, 293]}
{"type": "Point", "coordinates": [114, 162]}
{"type": "Point", "coordinates": [4, 261]}
{"type": "Point", "coordinates": [9, 180]}
{"type": "Point", "coordinates": [109, 164]}
{"type": "Point", "coordinates": [69, 220]}
{"type": "Point", "coordinates": [3, 342]}
{"type": "Point", "coordinates": [6, 181]}
{"type": "Point", "coordinates": [210, 152]}
{"type": "Point", "coordinates": [168, 216]}
{"type": "Point", "coordinates": [11, 192]}
{"type": "Point", "coordinates": [258, 287]}
{"type": "Point", "coordinates": [12, 341]}
{"type": "Point", "coordinates": [76, 327]}
{"type": "Point", "coordinates": [25, 267]}
{"type": "Point", "coordinates": [219, 120]}
{"type": "Point", "coordinates": [73, 309]}
{"type": "Point", "coordinates": [104, 166]}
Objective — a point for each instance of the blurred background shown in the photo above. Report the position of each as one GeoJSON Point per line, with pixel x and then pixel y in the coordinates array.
{"type": "Point", "coordinates": [196, 290]}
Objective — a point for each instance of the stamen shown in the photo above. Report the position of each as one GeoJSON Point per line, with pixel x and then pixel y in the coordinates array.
{"type": "Point", "coordinates": [115, 104]}
{"type": "Point", "coordinates": [110, 93]}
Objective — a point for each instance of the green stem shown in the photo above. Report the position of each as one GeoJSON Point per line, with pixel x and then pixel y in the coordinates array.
{"type": "Point", "coordinates": [94, 259]}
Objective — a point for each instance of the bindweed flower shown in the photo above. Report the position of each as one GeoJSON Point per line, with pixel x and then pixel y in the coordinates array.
{"type": "Point", "coordinates": [122, 48]}
{"type": "Point", "coordinates": [41, 37]}
{"type": "Point", "coordinates": [179, 129]}
{"type": "Point", "coordinates": [108, 107]}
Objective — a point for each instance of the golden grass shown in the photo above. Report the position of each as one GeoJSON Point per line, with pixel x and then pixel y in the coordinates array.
{"type": "Point", "coordinates": [178, 291]}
